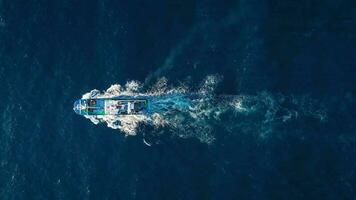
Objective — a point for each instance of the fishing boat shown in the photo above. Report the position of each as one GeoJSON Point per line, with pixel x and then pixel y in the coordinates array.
{"type": "Point", "coordinates": [111, 106]}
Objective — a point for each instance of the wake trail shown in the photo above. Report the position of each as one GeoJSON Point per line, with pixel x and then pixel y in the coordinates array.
{"type": "Point", "coordinates": [186, 113]}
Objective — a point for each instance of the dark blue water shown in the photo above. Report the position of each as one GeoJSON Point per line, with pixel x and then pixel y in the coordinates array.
{"type": "Point", "coordinates": [291, 55]}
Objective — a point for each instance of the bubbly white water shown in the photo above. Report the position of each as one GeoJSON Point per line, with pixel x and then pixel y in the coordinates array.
{"type": "Point", "coordinates": [188, 113]}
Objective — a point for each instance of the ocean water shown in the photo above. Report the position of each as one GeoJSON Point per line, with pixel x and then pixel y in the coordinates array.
{"type": "Point", "coordinates": [252, 99]}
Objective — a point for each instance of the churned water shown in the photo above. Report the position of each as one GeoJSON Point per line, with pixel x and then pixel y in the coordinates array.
{"type": "Point", "coordinates": [250, 99]}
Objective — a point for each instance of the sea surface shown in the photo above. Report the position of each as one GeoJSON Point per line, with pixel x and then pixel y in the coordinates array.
{"type": "Point", "coordinates": [274, 117]}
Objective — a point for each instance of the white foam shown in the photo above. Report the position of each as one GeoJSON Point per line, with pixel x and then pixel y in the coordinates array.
{"type": "Point", "coordinates": [193, 114]}
{"type": "Point", "coordinates": [170, 107]}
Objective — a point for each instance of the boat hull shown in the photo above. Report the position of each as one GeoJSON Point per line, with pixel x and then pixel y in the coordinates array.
{"type": "Point", "coordinates": [111, 106]}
